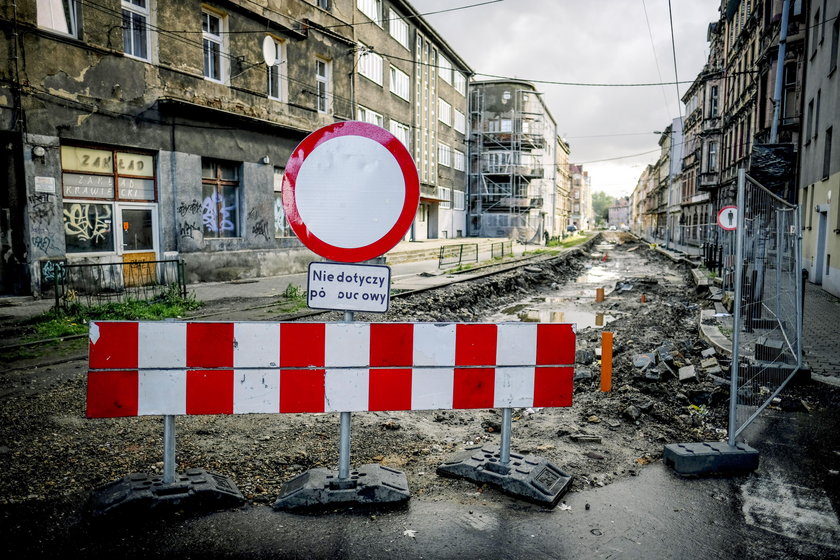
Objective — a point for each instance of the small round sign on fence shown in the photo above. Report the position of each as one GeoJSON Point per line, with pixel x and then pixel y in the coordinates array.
{"type": "Point", "coordinates": [728, 218]}
{"type": "Point", "coordinates": [350, 191]}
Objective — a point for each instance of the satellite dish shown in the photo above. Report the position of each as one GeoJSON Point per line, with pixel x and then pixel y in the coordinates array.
{"type": "Point", "coordinates": [269, 51]}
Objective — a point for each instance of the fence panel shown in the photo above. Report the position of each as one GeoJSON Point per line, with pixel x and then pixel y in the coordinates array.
{"type": "Point", "coordinates": [100, 283]}
{"type": "Point", "coordinates": [767, 316]}
{"type": "Point", "coordinates": [500, 249]}
{"type": "Point", "coordinates": [456, 254]}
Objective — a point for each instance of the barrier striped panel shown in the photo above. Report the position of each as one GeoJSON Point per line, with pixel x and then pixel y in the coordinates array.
{"type": "Point", "coordinates": [177, 368]}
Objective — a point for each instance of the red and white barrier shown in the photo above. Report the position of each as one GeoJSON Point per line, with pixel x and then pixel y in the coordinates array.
{"type": "Point", "coordinates": [176, 368]}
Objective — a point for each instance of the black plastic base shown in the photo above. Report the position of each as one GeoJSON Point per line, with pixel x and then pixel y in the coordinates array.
{"type": "Point", "coordinates": [527, 477]}
{"type": "Point", "coordinates": [318, 488]}
{"type": "Point", "coordinates": [195, 490]}
{"type": "Point", "coordinates": [710, 458]}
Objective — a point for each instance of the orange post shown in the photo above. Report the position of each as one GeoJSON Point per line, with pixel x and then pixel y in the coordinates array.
{"type": "Point", "coordinates": [599, 295]}
{"type": "Point", "coordinates": [643, 299]}
{"type": "Point", "coordinates": [606, 361]}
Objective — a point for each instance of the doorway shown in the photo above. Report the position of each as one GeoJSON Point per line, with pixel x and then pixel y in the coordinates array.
{"type": "Point", "coordinates": [137, 243]}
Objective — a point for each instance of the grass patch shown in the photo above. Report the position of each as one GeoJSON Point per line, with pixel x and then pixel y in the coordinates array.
{"type": "Point", "coordinates": [570, 241]}
{"type": "Point", "coordinates": [294, 299]}
{"type": "Point", "coordinates": [75, 318]}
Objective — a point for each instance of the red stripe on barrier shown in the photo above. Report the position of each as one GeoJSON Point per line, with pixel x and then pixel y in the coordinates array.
{"type": "Point", "coordinates": [475, 345]}
{"type": "Point", "coordinates": [553, 385]}
{"type": "Point", "coordinates": [112, 393]}
{"type": "Point", "coordinates": [390, 345]}
{"type": "Point", "coordinates": [210, 345]}
{"type": "Point", "coordinates": [302, 345]}
{"type": "Point", "coordinates": [115, 347]}
{"type": "Point", "coordinates": [210, 392]}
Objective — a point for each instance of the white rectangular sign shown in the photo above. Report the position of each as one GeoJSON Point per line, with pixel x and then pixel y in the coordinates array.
{"type": "Point", "coordinates": [349, 287]}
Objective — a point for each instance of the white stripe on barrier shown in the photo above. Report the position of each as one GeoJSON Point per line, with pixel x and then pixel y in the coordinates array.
{"type": "Point", "coordinates": [431, 388]}
{"type": "Point", "coordinates": [161, 392]}
{"type": "Point", "coordinates": [346, 390]}
{"type": "Point", "coordinates": [256, 391]}
{"type": "Point", "coordinates": [167, 342]}
{"type": "Point", "coordinates": [347, 344]}
{"type": "Point", "coordinates": [434, 345]}
{"type": "Point", "coordinates": [516, 344]}
{"type": "Point", "coordinates": [257, 344]}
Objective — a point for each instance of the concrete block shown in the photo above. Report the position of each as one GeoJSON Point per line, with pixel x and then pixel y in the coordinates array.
{"type": "Point", "coordinates": [709, 363]}
{"type": "Point", "coordinates": [708, 353]}
{"type": "Point", "coordinates": [687, 373]}
{"type": "Point", "coordinates": [707, 458]}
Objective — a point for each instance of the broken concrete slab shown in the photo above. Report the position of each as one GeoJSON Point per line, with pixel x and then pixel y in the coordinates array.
{"type": "Point", "coordinates": [687, 373]}
{"type": "Point", "coordinates": [585, 438]}
{"type": "Point", "coordinates": [708, 352]}
{"type": "Point", "coordinates": [644, 361]}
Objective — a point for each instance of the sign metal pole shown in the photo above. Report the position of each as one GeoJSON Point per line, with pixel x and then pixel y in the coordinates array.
{"type": "Point", "coordinates": [344, 433]}
{"type": "Point", "coordinates": [168, 449]}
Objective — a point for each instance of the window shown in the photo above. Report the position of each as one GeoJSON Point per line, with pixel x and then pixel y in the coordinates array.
{"type": "Point", "coordinates": [277, 84]}
{"type": "Point", "coordinates": [458, 160]}
{"type": "Point", "coordinates": [325, 4]}
{"type": "Point", "coordinates": [444, 69]}
{"type": "Point", "coordinates": [281, 222]}
{"type": "Point", "coordinates": [827, 154]}
{"type": "Point", "coordinates": [810, 123]}
{"type": "Point", "coordinates": [135, 14]}
{"type": "Point", "coordinates": [402, 132]}
{"type": "Point", "coordinates": [398, 29]}
{"type": "Point", "coordinates": [460, 122]}
{"type": "Point", "coordinates": [370, 65]}
{"type": "Point", "coordinates": [713, 157]}
{"type": "Point", "coordinates": [789, 99]}
{"type": "Point", "coordinates": [372, 9]}
{"type": "Point", "coordinates": [817, 113]}
{"type": "Point", "coordinates": [445, 196]}
{"type": "Point", "coordinates": [815, 29]}
{"type": "Point", "coordinates": [323, 79]}
{"type": "Point", "coordinates": [59, 15]}
{"type": "Point", "coordinates": [444, 112]}
{"type": "Point", "coordinates": [92, 180]}
{"type": "Point", "coordinates": [444, 155]}
{"type": "Point", "coordinates": [400, 84]}
{"type": "Point", "coordinates": [713, 101]}
{"type": "Point", "coordinates": [835, 45]}
{"type": "Point", "coordinates": [460, 202]}
{"type": "Point", "coordinates": [220, 199]}
{"type": "Point", "coordinates": [460, 83]}
{"type": "Point", "coordinates": [212, 26]}
{"type": "Point", "coordinates": [366, 115]}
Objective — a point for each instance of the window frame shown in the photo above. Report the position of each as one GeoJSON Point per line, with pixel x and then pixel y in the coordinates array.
{"type": "Point", "coordinates": [365, 114]}
{"type": "Point", "coordinates": [444, 112]}
{"type": "Point", "coordinates": [72, 19]}
{"type": "Point", "coordinates": [208, 37]}
{"type": "Point", "coordinates": [402, 34]}
{"type": "Point", "coordinates": [371, 65]}
{"type": "Point", "coordinates": [459, 121]}
{"type": "Point", "coordinates": [445, 196]}
{"type": "Point", "coordinates": [372, 9]}
{"type": "Point", "coordinates": [130, 7]}
{"type": "Point", "coordinates": [220, 183]}
{"type": "Point", "coordinates": [278, 72]}
{"type": "Point", "coordinates": [827, 148]}
{"type": "Point", "coordinates": [399, 83]}
{"type": "Point", "coordinates": [459, 82]}
{"type": "Point", "coordinates": [323, 99]}
{"type": "Point", "coordinates": [444, 69]}
{"type": "Point", "coordinates": [399, 129]}
{"type": "Point", "coordinates": [285, 230]}
{"type": "Point", "coordinates": [444, 154]}
{"type": "Point", "coordinates": [459, 160]}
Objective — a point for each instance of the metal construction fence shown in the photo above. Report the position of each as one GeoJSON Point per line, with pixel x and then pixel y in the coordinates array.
{"type": "Point", "coordinates": [450, 255]}
{"type": "Point", "coordinates": [767, 311]}
{"type": "Point", "coordinates": [500, 249]}
{"type": "Point", "coordinates": [100, 283]}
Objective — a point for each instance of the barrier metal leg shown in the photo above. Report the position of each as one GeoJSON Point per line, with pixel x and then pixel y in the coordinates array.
{"type": "Point", "coordinates": [504, 452]}
{"type": "Point", "coordinates": [168, 449]}
{"type": "Point", "coordinates": [368, 484]}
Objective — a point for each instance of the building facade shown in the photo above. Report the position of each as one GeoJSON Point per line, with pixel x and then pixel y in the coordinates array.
{"type": "Point", "coordinates": [819, 173]}
{"type": "Point", "coordinates": [581, 198]}
{"type": "Point", "coordinates": [512, 161]}
{"type": "Point", "coordinates": [138, 130]}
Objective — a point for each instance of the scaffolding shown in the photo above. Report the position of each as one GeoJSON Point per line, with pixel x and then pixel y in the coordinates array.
{"type": "Point", "coordinates": [506, 162]}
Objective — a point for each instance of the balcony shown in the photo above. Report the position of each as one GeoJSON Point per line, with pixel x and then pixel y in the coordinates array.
{"type": "Point", "coordinates": [708, 181]}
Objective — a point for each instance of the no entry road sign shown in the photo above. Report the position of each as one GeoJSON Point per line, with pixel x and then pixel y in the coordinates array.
{"type": "Point", "coordinates": [350, 191]}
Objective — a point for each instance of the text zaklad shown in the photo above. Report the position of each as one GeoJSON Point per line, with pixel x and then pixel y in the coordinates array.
{"type": "Point", "coordinates": [356, 279]}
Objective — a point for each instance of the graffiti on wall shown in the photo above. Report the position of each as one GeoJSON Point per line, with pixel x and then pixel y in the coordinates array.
{"type": "Point", "coordinates": [41, 208]}
{"type": "Point", "coordinates": [217, 212]}
{"type": "Point", "coordinates": [87, 222]}
{"type": "Point", "coordinates": [52, 271]}
{"type": "Point", "coordinates": [192, 207]}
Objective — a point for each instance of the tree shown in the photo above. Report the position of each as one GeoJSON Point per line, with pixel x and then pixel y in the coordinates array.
{"type": "Point", "coordinates": [601, 203]}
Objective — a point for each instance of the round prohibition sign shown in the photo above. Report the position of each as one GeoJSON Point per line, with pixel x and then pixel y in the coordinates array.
{"type": "Point", "coordinates": [728, 218]}
{"type": "Point", "coordinates": [350, 191]}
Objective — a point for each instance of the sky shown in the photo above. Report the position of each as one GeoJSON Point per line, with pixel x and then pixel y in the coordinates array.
{"type": "Point", "coordinates": [588, 41]}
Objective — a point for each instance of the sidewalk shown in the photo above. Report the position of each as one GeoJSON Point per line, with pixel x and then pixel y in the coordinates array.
{"type": "Point", "coordinates": [821, 335]}
{"type": "Point", "coordinates": [406, 274]}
